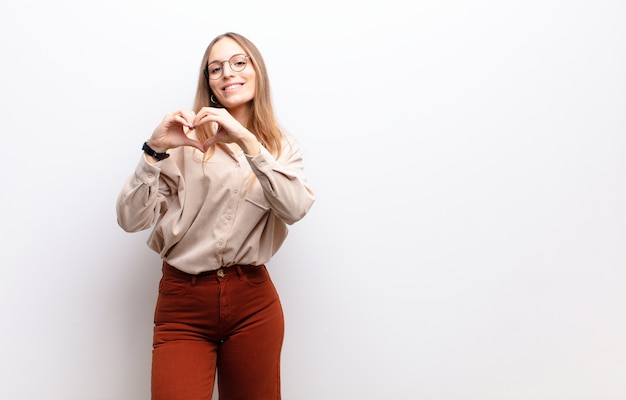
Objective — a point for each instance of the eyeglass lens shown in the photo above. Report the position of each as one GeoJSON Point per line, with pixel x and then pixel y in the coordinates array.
{"type": "Point", "coordinates": [237, 63]}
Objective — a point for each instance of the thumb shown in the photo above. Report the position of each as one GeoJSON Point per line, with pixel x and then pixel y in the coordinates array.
{"type": "Point", "coordinates": [194, 143]}
{"type": "Point", "coordinates": [209, 142]}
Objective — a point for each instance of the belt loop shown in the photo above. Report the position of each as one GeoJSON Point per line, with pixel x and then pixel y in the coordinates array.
{"type": "Point", "coordinates": [239, 271]}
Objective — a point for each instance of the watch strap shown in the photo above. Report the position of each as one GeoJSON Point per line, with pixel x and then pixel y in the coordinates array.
{"type": "Point", "coordinates": [149, 151]}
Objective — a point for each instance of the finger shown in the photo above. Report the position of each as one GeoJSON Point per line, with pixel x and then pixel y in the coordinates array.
{"type": "Point", "coordinates": [209, 142]}
{"type": "Point", "coordinates": [194, 143]}
{"type": "Point", "coordinates": [201, 119]}
{"type": "Point", "coordinates": [189, 117]}
{"type": "Point", "coordinates": [183, 119]}
{"type": "Point", "coordinates": [180, 117]}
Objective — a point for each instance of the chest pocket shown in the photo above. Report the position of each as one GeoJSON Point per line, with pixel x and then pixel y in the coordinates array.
{"type": "Point", "coordinates": [256, 198]}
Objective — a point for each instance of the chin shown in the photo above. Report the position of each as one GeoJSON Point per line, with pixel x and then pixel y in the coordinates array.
{"type": "Point", "coordinates": [236, 102]}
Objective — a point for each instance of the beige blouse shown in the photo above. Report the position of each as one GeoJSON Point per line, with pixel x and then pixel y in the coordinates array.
{"type": "Point", "coordinates": [232, 209]}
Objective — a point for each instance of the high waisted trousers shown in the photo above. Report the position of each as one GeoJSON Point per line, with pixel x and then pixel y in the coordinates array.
{"type": "Point", "coordinates": [228, 321]}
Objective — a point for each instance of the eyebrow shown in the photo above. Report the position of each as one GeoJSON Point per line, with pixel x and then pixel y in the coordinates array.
{"type": "Point", "coordinates": [218, 61]}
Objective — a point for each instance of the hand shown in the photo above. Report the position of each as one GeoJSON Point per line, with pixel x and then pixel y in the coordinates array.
{"type": "Point", "coordinates": [172, 132]}
{"type": "Point", "coordinates": [228, 129]}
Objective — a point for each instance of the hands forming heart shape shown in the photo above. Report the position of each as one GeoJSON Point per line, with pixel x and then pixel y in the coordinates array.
{"type": "Point", "coordinates": [175, 127]}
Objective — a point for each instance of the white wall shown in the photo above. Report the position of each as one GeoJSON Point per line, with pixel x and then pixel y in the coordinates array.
{"type": "Point", "coordinates": [468, 157]}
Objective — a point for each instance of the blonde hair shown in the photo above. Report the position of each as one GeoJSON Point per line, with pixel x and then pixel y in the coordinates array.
{"type": "Point", "coordinates": [262, 121]}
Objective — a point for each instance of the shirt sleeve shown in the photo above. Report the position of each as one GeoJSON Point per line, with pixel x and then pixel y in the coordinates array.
{"type": "Point", "coordinates": [139, 203]}
{"type": "Point", "coordinates": [283, 181]}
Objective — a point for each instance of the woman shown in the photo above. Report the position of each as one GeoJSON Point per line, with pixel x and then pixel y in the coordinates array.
{"type": "Point", "coordinates": [219, 185]}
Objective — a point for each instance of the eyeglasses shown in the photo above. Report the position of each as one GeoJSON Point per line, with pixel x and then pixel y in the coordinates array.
{"type": "Point", "coordinates": [237, 63]}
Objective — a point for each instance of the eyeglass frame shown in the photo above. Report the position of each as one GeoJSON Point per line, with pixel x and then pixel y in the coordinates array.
{"type": "Point", "coordinates": [221, 63]}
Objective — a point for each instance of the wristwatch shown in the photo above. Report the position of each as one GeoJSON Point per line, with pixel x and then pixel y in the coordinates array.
{"type": "Point", "coordinates": [158, 156]}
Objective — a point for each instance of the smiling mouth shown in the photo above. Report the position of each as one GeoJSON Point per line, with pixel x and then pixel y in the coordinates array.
{"type": "Point", "coordinates": [234, 86]}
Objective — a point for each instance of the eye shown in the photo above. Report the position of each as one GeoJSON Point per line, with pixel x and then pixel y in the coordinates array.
{"type": "Point", "coordinates": [216, 69]}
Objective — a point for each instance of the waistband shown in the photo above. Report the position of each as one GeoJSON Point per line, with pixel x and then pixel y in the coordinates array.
{"type": "Point", "coordinates": [221, 272]}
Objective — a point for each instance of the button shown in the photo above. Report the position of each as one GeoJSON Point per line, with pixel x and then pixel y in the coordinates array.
{"type": "Point", "coordinates": [220, 243]}
{"type": "Point", "coordinates": [220, 273]}
{"type": "Point", "coordinates": [229, 217]}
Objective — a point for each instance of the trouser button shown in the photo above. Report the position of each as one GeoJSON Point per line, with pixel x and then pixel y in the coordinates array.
{"type": "Point", "coordinates": [220, 273]}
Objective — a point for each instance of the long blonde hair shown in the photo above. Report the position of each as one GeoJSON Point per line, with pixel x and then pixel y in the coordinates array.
{"type": "Point", "coordinates": [262, 121]}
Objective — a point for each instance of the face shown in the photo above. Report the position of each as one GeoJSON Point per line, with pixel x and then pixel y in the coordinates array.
{"type": "Point", "coordinates": [233, 88]}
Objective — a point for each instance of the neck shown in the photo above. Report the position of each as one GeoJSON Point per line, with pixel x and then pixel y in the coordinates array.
{"type": "Point", "coordinates": [241, 113]}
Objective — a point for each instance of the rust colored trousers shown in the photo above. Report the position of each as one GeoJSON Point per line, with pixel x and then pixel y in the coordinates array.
{"type": "Point", "coordinates": [228, 321]}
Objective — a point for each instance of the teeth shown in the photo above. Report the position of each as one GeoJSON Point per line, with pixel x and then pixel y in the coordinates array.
{"type": "Point", "coordinates": [231, 86]}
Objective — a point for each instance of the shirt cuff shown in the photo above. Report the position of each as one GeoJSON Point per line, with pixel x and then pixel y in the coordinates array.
{"type": "Point", "coordinates": [146, 172]}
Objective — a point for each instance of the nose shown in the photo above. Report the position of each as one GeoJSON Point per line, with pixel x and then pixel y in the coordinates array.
{"type": "Point", "coordinates": [227, 70]}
